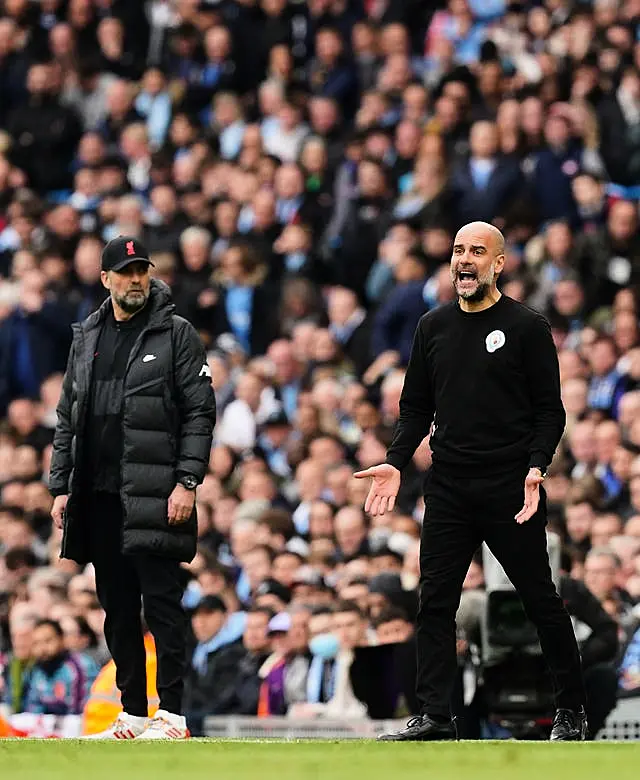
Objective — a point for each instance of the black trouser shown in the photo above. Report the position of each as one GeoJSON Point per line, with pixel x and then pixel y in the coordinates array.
{"type": "Point", "coordinates": [123, 584]}
{"type": "Point", "coordinates": [461, 513]}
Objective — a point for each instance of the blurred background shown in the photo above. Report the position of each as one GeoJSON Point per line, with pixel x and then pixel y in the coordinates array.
{"type": "Point", "coordinates": [317, 157]}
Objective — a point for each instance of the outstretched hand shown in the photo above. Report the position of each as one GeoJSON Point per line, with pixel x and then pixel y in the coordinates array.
{"type": "Point", "coordinates": [532, 484]}
{"type": "Point", "coordinates": [383, 490]}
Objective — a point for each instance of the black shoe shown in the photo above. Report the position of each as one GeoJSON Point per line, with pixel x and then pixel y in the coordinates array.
{"type": "Point", "coordinates": [423, 729]}
{"type": "Point", "coordinates": [569, 726]}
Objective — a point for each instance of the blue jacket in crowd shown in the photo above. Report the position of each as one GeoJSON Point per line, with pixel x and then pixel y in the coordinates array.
{"type": "Point", "coordinates": [397, 318]}
{"type": "Point", "coordinates": [60, 686]}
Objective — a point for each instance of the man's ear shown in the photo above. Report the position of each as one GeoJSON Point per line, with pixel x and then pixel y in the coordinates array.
{"type": "Point", "coordinates": [499, 263]}
{"type": "Point", "coordinates": [104, 278]}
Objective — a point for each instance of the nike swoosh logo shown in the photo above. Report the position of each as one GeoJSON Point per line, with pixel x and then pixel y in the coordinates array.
{"type": "Point", "coordinates": [147, 358]}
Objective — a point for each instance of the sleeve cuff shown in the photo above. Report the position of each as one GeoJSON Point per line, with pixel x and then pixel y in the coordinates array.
{"type": "Point", "coordinates": [183, 474]}
{"type": "Point", "coordinates": [538, 460]}
{"type": "Point", "coordinates": [395, 460]}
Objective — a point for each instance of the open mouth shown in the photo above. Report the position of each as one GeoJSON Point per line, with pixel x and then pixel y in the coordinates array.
{"type": "Point", "coordinates": [467, 277]}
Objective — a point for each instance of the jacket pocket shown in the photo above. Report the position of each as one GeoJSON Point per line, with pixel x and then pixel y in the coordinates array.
{"type": "Point", "coordinates": [144, 386]}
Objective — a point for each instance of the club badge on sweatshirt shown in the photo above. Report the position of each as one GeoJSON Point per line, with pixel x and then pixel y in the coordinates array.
{"type": "Point", "coordinates": [495, 340]}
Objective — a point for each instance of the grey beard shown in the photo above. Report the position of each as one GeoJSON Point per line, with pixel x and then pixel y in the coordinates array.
{"type": "Point", "coordinates": [479, 295]}
{"type": "Point", "coordinates": [131, 306]}
{"type": "Point", "coordinates": [484, 285]}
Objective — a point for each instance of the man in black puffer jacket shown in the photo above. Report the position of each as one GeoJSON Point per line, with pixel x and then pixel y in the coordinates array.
{"type": "Point", "coordinates": [134, 432]}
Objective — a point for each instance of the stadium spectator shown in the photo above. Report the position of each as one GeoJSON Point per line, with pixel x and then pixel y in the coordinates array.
{"type": "Point", "coordinates": [18, 665]}
{"type": "Point", "coordinates": [210, 668]}
{"type": "Point", "coordinates": [299, 170]}
{"type": "Point", "coordinates": [58, 684]}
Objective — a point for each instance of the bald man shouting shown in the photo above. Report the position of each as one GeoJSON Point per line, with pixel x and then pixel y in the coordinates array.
{"type": "Point", "coordinates": [484, 373]}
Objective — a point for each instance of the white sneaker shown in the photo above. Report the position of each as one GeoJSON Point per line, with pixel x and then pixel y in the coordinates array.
{"type": "Point", "coordinates": [125, 727]}
{"type": "Point", "coordinates": [166, 725]}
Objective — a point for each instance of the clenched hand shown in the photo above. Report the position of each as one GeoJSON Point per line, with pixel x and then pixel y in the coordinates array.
{"type": "Point", "coordinates": [180, 506]}
{"type": "Point", "coordinates": [531, 495]}
{"type": "Point", "coordinates": [57, 510]}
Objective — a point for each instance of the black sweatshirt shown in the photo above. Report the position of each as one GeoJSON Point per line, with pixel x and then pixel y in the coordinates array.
{"type": "Point", "coordinates": [492, 380]}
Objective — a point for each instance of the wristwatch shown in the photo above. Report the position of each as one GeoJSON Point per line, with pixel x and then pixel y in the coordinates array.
{"type": "Point", "coordinates": [188, 481]}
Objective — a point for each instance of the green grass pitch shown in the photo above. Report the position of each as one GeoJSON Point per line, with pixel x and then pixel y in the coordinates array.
{"type": "Point", "coordinates": [300, 760]}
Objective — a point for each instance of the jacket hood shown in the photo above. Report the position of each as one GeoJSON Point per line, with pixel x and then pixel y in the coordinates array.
{"type": "Point", "coordinates": [160, 304]}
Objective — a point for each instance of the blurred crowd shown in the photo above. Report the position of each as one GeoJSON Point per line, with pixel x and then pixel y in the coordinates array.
{"type": "Point", "coordinates": [298, 171]}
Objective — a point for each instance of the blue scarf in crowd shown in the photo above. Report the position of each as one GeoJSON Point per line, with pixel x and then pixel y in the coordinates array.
{"type": "Point", "coordinates": [317, 672]}
{"type": "Point", "coordinates": [230, 632]}
{"type": "Point", "coordinates": [239, 305]}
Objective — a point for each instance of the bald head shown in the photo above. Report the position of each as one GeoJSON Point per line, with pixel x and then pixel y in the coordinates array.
{"type": "Point", "coordinates": [485, 231]}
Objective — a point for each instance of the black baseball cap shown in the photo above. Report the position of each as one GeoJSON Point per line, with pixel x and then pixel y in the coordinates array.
{"type": "Point", "coordinates": [121, 251]}
{"type": "Point", "coordinates": [277, 418]}
{"type": "Point", "coordinates": [210, 604]}
{"type": "Point", "coordinates": [271, 587]}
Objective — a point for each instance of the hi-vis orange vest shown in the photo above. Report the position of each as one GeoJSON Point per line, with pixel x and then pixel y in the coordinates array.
{"type": "Point", "coordinates": [7, 730]}
{"type": "Point", "coordinates": [103, 705]}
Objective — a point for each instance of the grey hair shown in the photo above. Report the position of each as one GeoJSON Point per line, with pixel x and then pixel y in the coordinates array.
{"type": "Point", "coordinates": [605, 552]}
{"type": "Point", "coordinates": [195, 233]}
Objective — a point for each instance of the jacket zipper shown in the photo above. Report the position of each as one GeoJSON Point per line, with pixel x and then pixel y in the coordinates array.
{"type": "Point", "coordinates": [135, 350]}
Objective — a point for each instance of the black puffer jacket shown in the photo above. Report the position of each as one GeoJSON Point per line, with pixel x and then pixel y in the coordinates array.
{"type": "Point", "coordinates": [168, 417]}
